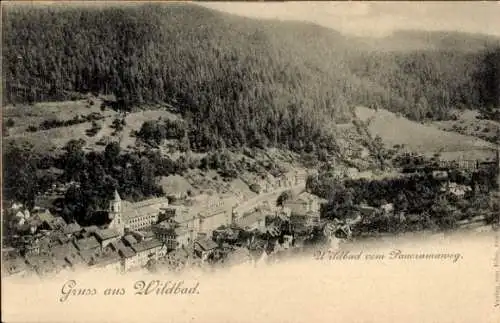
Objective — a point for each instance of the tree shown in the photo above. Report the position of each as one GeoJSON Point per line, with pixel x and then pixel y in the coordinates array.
{"type": "Point", "coordinates": [111, 153]}
{"type": "Point", "coordinates": [19, 175]}
{"type": "Point", "coordinates": [445, 214]}
{"type": "Point", "coordinates": [9, 123]}
{"type": "Point", "coordinates": [283, 197]}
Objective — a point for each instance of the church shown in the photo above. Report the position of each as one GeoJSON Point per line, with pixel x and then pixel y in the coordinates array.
{"type": "Point", "coordinates": [134, 216]}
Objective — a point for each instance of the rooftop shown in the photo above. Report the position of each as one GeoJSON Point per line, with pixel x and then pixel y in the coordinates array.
{"type": "Point", "coordinates": [45, 216]}
{"type": "Point", "coordinates": [252, 218]}
{"type": "Point", "coordinates": [104, 259]}
{"type": "Point", "coordinates": [206, 244]}
{"type": "Point", "coordinates": [105, 234]}
{"type": "Point", "coordinates": [92, 228]}
{"type": "Point", "coordinates": [126, 252]}
{"type": "Point", "coordinates": [14, 265]}
{"type": "Point", "coordinates": [146, 245]}
{"type": "Point", "coordinates": [130, 239]}
{"type": "Point", "coordinates": [87, 244]}
{"type": "Point", "coordinates": [72, 228]}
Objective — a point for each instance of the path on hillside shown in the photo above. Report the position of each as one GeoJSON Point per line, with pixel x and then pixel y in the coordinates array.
{"type": "Point", "coordinates": [270, 196]}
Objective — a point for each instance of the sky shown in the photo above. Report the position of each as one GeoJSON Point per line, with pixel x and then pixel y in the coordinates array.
{"type": "Point", "coordinates": [377, 18]}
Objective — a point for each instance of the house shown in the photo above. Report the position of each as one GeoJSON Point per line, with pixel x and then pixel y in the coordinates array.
{"type": "Point", "coordinates": [65, 255]}
{"type": "Point", "coordinates": [304, 203]}
{"type": "Point", "coordinates": [15, 267]}
{"type": "Point", "coordinates": [367, 211]}
{"type": "Point", "coordinates": [457, 189]}
{"type": "Point", "coordinates": [74, 260]}
{"type": "Point", "coordinates": [129, 258]}
{"type": "Point", "coordinates": [253, 220]}
{"type": "Point", "coordinates": [41, 264]}
{"type": "Point", "coordinates": [89, 256]}
{"type": "Point", "coordinates": [165, 232]}
{"type": "Point", "coordinates": [108, 261]}
{"type": "Point", "coordinates": [387, 208]}
{"type": "Point", "coordinates": [71, 229]}
{"type": "Point", "coordinates": [22, 216]}
{"type": "Point", "coordinates": [203, 248]}
{"type": "Point", "coordinates": [16, 206]}
{"type": "Point", "coordinates": [301, 222]}
{"type": "Point", "coordinates": [147, 250]}
{"type": "Point", "coordinates": [90, 230]}
{"type": "Point", "coordinates": [440, 175]}
{"type": "Point", "coordinates": [129, 240]}
{"type": "Point", "coordinates": [50, 222]}
{"type": "Point", "coordinates": [85, 244]}
{"type": "Point", "coordinates": [106, 236]}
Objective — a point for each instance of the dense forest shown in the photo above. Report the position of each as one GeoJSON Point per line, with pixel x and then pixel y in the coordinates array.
{"type": "Point", "coordinates": [237, 81]}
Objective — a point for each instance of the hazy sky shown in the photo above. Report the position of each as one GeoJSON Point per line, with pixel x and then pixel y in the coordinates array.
{"type": "Point", "coordinates": [377, 18]}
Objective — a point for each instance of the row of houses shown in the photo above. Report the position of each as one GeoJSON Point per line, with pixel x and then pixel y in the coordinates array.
{"type": "Point", "coordinates": [89, 247]}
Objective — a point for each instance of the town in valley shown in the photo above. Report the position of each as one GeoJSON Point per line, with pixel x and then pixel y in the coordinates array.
{"type": "Point", "coordinates": [154, 142]}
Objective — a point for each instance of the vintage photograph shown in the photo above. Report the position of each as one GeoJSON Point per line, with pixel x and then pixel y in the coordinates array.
{"type": "Point", "coordinates": [165, 138]}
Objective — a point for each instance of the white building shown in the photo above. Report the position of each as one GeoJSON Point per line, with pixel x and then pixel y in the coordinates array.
{"type": "Point", "coordinates": [134, 216]}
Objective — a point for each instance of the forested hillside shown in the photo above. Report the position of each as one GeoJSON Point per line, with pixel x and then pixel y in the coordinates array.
{"type": "Point", "coordinates": [237, 81]}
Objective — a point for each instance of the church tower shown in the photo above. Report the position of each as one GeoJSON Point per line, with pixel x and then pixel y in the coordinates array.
{"type": "Point", "coordinates": [115, 213]}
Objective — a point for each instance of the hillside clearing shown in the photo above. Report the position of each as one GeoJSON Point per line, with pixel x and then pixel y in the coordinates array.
{"type": "Point", "coordinates": [422, 138]}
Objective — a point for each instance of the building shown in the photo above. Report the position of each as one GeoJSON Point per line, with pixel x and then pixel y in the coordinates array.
{"type": "Point", "coordinates": [42, 265]}
{"type": "Point", "coordinates": [304, 203]}
{"type": "Point", "coordinates": [148, 250]}
{"type": "Point", "coordinates": [201, 214]}
{"type": "Point", "coordinates": [134, 216]}
{"type": "Point", "coordinates": [15, 267]}
{"type": "Point", "coordinates": [110, 261]}
{"type": "Point", "coordinates": [106, 236]}
{"type": "Point", "coordinates": [455, 189]}
{"type": "Point", "coordinates": [172, 234]}
{"type": "Point", "coordinates": [50, 222]}
{"type": "Point", "coordinates": [85, 244]}
{"type": "Point", "coordinates": [255, 220]}
{"type": "Point", "coordinates": [203, 248]}
{"type": "Point", "coordinates": [165, 232]}
{"type": "Point", "coordinates": [71, 229]}
{"type": "Point", "coordinates": [129, 259]}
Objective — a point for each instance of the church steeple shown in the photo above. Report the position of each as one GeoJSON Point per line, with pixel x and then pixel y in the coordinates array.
{"type": "Point", "coordinates": [115, 213]}
{"type": "Point", "coordinates": [117, 196]}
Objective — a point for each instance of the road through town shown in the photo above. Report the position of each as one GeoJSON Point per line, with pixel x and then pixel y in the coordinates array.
{"type": "Point", "coordinates": [261, 198]}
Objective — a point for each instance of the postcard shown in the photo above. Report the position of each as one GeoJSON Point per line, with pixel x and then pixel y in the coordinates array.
{"type": "Point", "coordinates": [250, 161]}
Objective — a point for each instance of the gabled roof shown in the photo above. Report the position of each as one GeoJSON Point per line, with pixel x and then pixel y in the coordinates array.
{"type": "Point", "coordinates": [105, 234]}
{"type": "Point", "coordinates": [72, 228]}
{"type": "Point", "coordinates": [106, 259]}
{"type": "Point", "coordinates": [146, 245]}
{"type": "Point", "coordinates": [252, 218]}
{"type": "Point", "coordinates": [45, 216]}
{"type": "Point", "coordinates": [14, 265]}
{"type": "Point", "coordinates": [87, 244]}
{"type": "Point", "coordinates": [130, 239]}
{"type": "Point", "coordinates": [126, 252]}
{"type": "Point", "coordinates": [92, 228]}
{"type": "Point", "coordinates": [206, 244]}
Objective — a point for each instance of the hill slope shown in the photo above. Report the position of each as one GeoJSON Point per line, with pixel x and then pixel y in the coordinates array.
{"type": "Point", "coordinates": [422, 138]}
{"type": "Point", "coordinates": [236, 81]}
